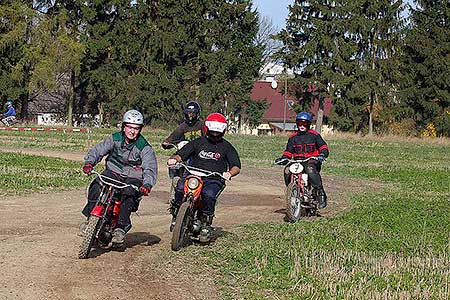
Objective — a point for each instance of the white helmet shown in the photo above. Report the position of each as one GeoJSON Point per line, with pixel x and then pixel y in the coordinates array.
{"type": "Point", "coordinates": [133, 117]}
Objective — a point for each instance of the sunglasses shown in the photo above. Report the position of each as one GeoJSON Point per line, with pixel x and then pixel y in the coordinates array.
{"type": "Point", "coordinates": [305, 123]}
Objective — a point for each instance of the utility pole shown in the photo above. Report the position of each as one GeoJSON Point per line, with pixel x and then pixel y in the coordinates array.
{"type": "Point", "coordinates": [284, 99]}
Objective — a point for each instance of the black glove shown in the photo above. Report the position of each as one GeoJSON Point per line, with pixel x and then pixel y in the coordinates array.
{"type": "Point", "coordinates": [281, 161]}
{"type": "Point", "coordinates": [321, 157]}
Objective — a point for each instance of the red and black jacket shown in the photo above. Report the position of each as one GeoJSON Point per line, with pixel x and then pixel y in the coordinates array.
{"type": "Point", "coordinates": [305, 144]}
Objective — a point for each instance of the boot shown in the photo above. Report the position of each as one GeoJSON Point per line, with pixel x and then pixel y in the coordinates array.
{"type": "Point", "coordinates": [322, 198]}
{"type": "Point", "coordinates": [173, 209]}
{"type": "Point", "coordinates": [118, 236]}
{"type": "Point", "coordinates": [205, 232]}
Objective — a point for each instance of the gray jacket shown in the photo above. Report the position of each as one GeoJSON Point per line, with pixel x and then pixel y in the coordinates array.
{"type": "Point", "coordinates": [135, 160]}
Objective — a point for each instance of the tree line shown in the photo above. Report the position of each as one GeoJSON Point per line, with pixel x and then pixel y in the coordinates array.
{"type": "Point", "coordinates": [107, 56]}
{"type": "Point", "coordinates": [385, 71]}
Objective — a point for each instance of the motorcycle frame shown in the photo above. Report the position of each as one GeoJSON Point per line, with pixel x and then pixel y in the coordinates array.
{"type": "Point", "coordinates": [107, 208]}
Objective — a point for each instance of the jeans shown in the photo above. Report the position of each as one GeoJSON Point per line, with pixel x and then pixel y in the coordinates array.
{"type": "Point", "coordinates": [210, 191]}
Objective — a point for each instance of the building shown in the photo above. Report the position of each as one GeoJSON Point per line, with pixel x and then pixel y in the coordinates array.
{"type": "Point", "coordinates": [280, 116]}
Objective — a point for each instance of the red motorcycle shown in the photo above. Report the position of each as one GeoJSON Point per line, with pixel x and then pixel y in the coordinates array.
{"type": "Point", "coordinates": [188, 224]}
{"type": "Point", "coordinates": [104, 216]}
{"type": "Point", "coordinates": [299, 196]}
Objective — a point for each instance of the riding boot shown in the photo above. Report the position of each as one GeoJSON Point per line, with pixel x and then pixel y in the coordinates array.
{"type": "Point", "coordinates": [173, 209]}
{"type": "Point", "coordinates": [321, 198]}
{"type": "Point", "coordinates": [205, 233]}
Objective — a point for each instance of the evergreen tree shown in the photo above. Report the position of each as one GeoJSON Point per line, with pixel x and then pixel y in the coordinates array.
{"type": "Point", "coordinates": [15, 37]}
{"type": "Point", "coordinates": [318, 48]}
{"type": "Point", "coordinates": [376, 30]}
{"type": "Point", "coordinates": [427, 65]}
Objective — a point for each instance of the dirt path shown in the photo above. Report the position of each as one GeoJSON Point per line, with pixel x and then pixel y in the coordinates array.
{"type": "Point", "coordinates": [39, 245]}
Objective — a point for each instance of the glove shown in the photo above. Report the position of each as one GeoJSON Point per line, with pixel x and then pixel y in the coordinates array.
{"type": "Point", "coordinates": [281, 161]}
{"type": "Point", "coordinates": [321, 157]}
{"type": "Point", "coordinates": [87, 168]}
{"type": "Point", "coordinates": [166, 145]}
{"type": "Point", "coordinates": [172, 162]}
{"type": "Point", "coordinates": [226, 175]}
{"type": "Point", "coordinates": [145, 190]}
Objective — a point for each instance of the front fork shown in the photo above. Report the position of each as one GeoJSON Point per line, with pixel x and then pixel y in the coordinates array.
{"type": "Point", "coordinates": [107, 209]}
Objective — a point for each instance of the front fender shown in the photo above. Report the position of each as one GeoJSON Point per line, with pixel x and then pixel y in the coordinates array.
{"type": "Point", "coordinates": [98, 211]}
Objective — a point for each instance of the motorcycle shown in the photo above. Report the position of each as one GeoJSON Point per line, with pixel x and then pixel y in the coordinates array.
{"type": "Point", "coordinates": [9, 121]}
{"type": "Point", "coordinates": [104, 216]}
{"type": "Point", "coordinates": [188, 224]}
{"type": "Point", "coordinates": [300, 197]}
{"type": "Point", "coordinates": [174, 180]}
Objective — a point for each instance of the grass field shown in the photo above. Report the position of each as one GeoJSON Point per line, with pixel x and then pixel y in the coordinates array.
{"type": "Point", "coordinates": [21, 174]}
{"type": "Point", "coordinates": [392, 244]}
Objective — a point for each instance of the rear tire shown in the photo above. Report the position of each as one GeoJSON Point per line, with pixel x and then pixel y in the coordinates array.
{"type": "Point", "coordinates": [293, 198]}
{"type": "Point", "coordinates": [89, 237]}
{"type": "Point", "coordinates": [180, 233]}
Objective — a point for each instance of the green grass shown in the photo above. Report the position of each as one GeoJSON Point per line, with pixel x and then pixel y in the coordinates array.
{"type": "Point", "coordinates": [252, 149]}
{"type": "Point", "coordinates": [20, 174]}
{"type": "Point", "coordinates": [393, 244]}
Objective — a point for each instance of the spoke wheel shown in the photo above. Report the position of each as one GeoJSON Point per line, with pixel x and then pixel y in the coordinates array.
{"type": "Point", "coordinates": [180, 235]}
{"type": "Point", "coordinates": [293, 198]}
{"type": "Point", "coordinates": [89, 237]}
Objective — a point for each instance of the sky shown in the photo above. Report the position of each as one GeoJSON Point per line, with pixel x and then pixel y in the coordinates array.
{"type": "Point", "coordinates": [277, 10]}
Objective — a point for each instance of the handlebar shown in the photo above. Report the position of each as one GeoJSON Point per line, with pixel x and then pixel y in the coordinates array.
{"type": "Point", "coordinates": [286, 161]}
{"type": "Point", "coordinates": [113, 182]}
{"type": "Point", "coordinates": [178, 146]}
{"type": "Point", "coordinates": [197, 171]}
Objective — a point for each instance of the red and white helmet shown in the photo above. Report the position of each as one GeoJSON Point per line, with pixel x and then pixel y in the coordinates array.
{"type": "Point", "coordinates": [215, 122]}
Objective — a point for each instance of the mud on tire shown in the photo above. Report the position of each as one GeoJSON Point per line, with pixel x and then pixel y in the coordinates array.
{"type": "Point", "coordinates": [88, 237]}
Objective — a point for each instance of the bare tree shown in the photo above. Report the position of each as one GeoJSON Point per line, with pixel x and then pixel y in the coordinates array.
{"type": "Point", "coordinates": [265, 38]}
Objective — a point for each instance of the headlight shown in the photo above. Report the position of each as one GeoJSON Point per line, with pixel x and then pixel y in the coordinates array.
{"type": "Point", "coordinates": [193, 183]}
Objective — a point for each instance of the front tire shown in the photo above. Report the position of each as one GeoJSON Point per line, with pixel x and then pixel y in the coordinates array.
{"type": "Point", "coordinates": [173, 188]}
{"type": "Point", "coordinates": [180, 233]}
{"type": "Point", "coordinates": [89, 237]}
{"type": "Point", "coordinates": [293, 199]}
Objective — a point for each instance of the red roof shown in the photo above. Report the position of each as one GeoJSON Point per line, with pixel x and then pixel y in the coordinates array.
{"type": "Point", "coordinates": [263, 90]}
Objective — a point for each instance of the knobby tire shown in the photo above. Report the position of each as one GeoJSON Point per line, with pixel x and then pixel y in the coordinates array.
{"type": "Point", "coordinates": [89, 237]}
{"type": "Point", "coordinates": [181, 230]}
{"type": "Point", "coordinates": [293, 214]}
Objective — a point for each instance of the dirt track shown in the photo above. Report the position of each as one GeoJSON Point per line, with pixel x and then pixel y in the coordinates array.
{"type": "Point", "coordinates": [39, 245]}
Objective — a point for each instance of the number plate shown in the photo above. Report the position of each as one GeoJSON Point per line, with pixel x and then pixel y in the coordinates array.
{"type": "Point", "coordinates": [296, 168]}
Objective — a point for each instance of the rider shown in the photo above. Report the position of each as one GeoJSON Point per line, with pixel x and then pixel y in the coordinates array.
{"type": "Point", "coordinates": [10, 115]}
{"type": "Point", "coordinates": [130, 159]}
{"type": "Point", "coordinates": [213, 153]}
{"type": "Point", "coordinates": [303, 144]}
{"type": "Point", "coordinates": [191, 128]}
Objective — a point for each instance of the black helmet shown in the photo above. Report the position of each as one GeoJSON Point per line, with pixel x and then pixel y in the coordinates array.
{"type": "Point", "coordinates": [192, 112]}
